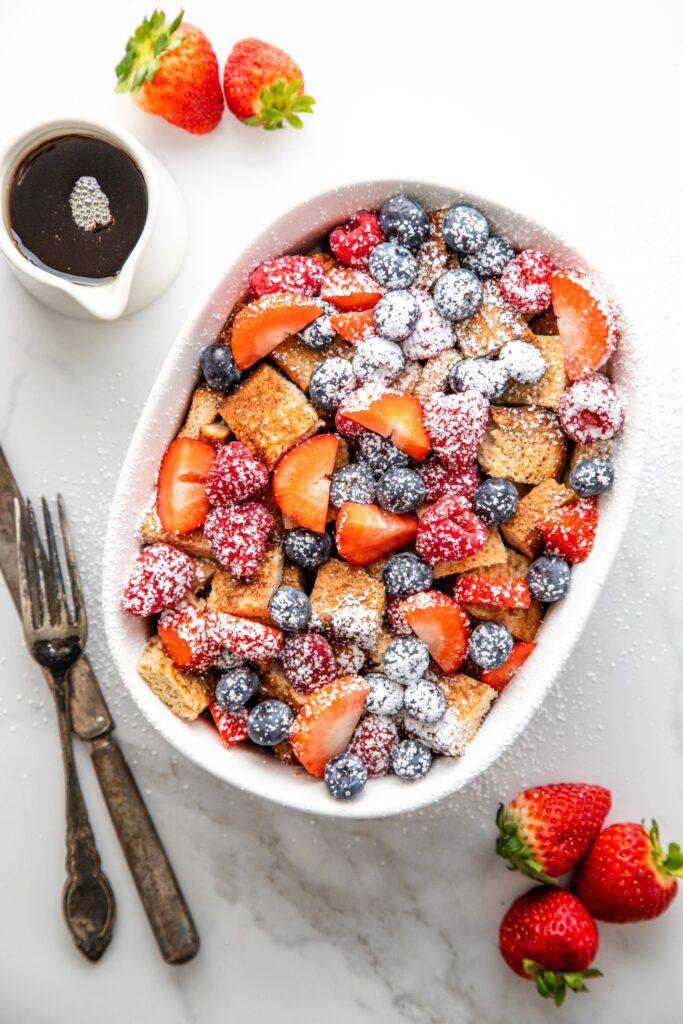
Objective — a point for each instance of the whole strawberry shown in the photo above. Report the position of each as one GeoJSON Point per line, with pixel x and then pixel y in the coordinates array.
{"type": "Point", "coordinates": [171, 70]}
{"type": "Point", "coordinates": [263, 86]}
{"type": "Point", "coordinates": [546, 830]}
{"type": "Point", "coordinates": [549, 937]}
{"type": "Point", "coordinates": [627, 876]}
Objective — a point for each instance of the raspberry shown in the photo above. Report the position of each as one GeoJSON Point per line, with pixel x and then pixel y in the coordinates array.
{"type": "Point", "coordinates": [535, 265]}
{"type": "Point", "coordinates": [432, 334]}
{"type": "Point", "coordinates": [456, 426]}
{"type": "Point", "coordinates": [161, 577]}
{"type": "Point", "coordinates": [236, 474]}
{"type": "Point", "coordinates": [449, 531]}
{"type": "Point", "coordinates": [531, 297]}
{"type": "Point", "coordinates": [232, 725]}
{"type": "Point", "coordinates": [302, 274]}
{"type": "Point", "coordinates": [237, 536]}
{"type": "Point", "coordinates": [308, 661]}
{"type": "Point", "coordinates": [443, 482]}
{"type": "Point", "coordinates": [353, 242]}
{"type": "Point", "coordinates": [373, 741]}
{"type": "Point", "coordinates": [590, 410]}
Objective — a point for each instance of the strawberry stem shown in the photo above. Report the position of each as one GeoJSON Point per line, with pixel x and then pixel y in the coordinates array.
{"type": "Point", "coordinates": [555, 984]}
{"type": "Point", "coordinates": [669, 862]}
{"type": "Point", "coordinates": [140, 63]}
{"type": "Point", "coordinates": [512, 848]}
{"type": "Point", "coordinates": [281, 101]}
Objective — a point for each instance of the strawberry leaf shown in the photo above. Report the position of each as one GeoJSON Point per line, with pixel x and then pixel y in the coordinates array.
{"type": "Point", "coordinates": [554, 984]}
{"type": "Point", "coordinates": [152, 38]}
{"type": "Point", "coordinates": [281, 102]}
{"type": "Point", "coordinates": [512, 848]}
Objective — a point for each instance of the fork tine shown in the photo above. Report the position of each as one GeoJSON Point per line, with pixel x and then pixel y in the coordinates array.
{"type": "Point", "coordinates": [72, 566]}
{"type": "Point", "coordinates": [59, 594]}
{"type": "Point", "coordinates": [44, 606]}
{"type": "Point", "coordinates": [25, 595]}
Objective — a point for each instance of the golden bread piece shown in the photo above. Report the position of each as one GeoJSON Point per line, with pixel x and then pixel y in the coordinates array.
{"type": "Point", "coordinates": [495, 322]}
{"type": "Point", "coordinates": [298, 361]}
{"type": "Point", "coordinates": [248, 597]}
{"type": "Point", "coordinates": [351, 660]}
{"type": "Point", "coordinates": [204, 570]}
{"type": "Point", "coordinates": [383, 640]}
{"type": "Point", "coordinates": [376, 569]}
{"type": "Point", "coordinates": [434, 255]}
{"type": "Point", "coordinates": [292, 576]}
{"type": "Point", "coordinates": [347, 604]}
{"type": "Point", "coordinates": [269, 414]}
{"type": "Point", "coordinates": [523, 623]}
{"type": "Point", "coordinates": [434, 376]}
{"type": "Point", "coordinates": [187, 694]}
{"type": "Point", "coordinates": [491, 553]}
{"type": "Point", "coordinates": [276, 686]}
{"type": "Point", "coordinates": [587, 451]}
{"type": "Point", "coordinates": [194, 543]}
{"type": "Point", "coordinates": [520, 531]}
{"type": "Point", "coordinates": [409, 376]}
{"type": "Point", "coordinates": [523, 444]}
{"type": "Point", "coordinates": [467, 702]}
{"type": "Point", "coordinates": [548, 391]}
{"type": "Point", "coordinates": [203, 420]}
{"type": "Point", "coordinates": [283, 752]}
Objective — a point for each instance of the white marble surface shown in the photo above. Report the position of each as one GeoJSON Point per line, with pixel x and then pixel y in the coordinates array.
{"type": "Point", "coordinates": [573, 112]}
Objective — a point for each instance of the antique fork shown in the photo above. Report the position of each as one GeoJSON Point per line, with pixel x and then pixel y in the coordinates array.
{"type": "Point", "coordinates": [55, 635]}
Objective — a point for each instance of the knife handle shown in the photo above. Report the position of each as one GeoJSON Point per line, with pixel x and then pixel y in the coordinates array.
{"type": "Point", "coordinates": [156, 883]}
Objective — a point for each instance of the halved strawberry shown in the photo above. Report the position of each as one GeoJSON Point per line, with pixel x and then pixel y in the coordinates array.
{"type": "Point", "coordinates": [501, 592]}
{"type": "Point", "coordinates": [187, 635]}
{"type": "Point", "coordinates": [301, 274]}
{"type": "Point", "coordinates": [366, 533]}
{"type": "Point", "coordinates": [325, 724]}
{"type": "Point", "coordinates": [182, 503]}
{"type": "Point", "coordinates": [585, 321]}
{"type": "Point", "coordinates": [262, 325]}
{"type": "Point", "coordinates": [393, 414]}
{"type": "Point", "coordinates": [354, 327]}
{"type": "Point", "coordinates": [244, 637]}
{"type": "Point", "coordinates": [350, 289]}
{"type": "Point", "coordinates": [231, 725]}
{"type": "Point", "coordinates": [441, 624]}
{"type": "Point", "coordinates": [498, 678]}
{"type": "Point", "coordinates": [570, 531]}
{"type": "Point", "coordinates": [301, 481]}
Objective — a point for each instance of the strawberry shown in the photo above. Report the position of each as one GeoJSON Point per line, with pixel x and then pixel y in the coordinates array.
{"type": "Point", "coordinates": [326, 722]}
{"type": "Point", "coordinates": [498, 678]}
{"type": "Point", "coordinates": [263, 86]}
{"type": "Point", "coordinates": [500, 592]}
{"type": "Point", "coordinates": [353, 241]}
{"type": "Point", "coordinates": [456, 425]}
{"type": "Point", "coordinates": [262, 325]}
{"type": "Point", "coordinates": [545, 831]}
{"type": "Point", "coordinates": [244, 637]}
{"type": "Point", "coordinates": [171, 70]}
{"type": "Point", "coordinates": [301, 481]}
{"type": "Point", "coordinates": [350, 289]}
{"type": "Point", "coordinates": [354, 327]}
{"type": "Point", "coordinates": [366, 533]}
{"type": "Point", "coordinates": [441, 624]}
{"type": "Point", "coordinates": [390, 413]}
{"type": "Point", "coordinates": [237, 536]}
{"type": "Point", "coordinates": [161, 577]}
{"type": "Point", "coordinates": [570, 531]}
{"type": "Point", "coordinates": [627, 876]}
{"type": "Point", "coordinates": [187, 635]}
{"type": "Point", "coordinates": [236, 474]}
{"type": "Point", "coordinates": [585, 321]}
{"type": "Point", "coordinates": [231, 725]}
{"type": "Point", "coordinates": [182, 503]}
{"type": "Point", "coordinates": [302, 274]}
{"type": "Point", "coordinates": [449, 531]}
{"type": "Point", "coordinates": [549, 937]}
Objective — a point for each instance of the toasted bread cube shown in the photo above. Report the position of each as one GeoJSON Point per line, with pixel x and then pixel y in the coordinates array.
{"type": "Point", "coordinates": [383, 640]}
{"type": "Point", "coordinates": [269, 414]}
{"type": "Point", "coordinates": [298, 361]}
{"type": "Point", "coordinates": [347, 604]}
{"type": "Point", "coordinates": [194, 543]}
{"type": "Point", "coordinates": [276, 686]}
{"type": "Point", "coordinates": [548, 391]}
{"type": "Point", "coordinates": [248, 597]}
{"type": "Point", "coordinates": [521, 530]}
{"type": "Point", "coordinates": [204, 570]}
{"type": "Point", "coordinates": [293, 576]}
{"type": "Point", "coordinates": [467, 702]}
{"type": "Point", "coordinates": [187, 694]}
{"type": "Point", "coordinates": [434, 255]}
{"type": "Point", "coordinates": [351, 660]}
{"type": "Point", "coordinates": [491, 553]}
{"type": "Point", "coordinates": [434, 375]}
{"type": "Point", "coordinates": [587, 451]}
{"type": "Point", "coordinates": [523, 623]}
{"type": "Point", "coordinates": [523, 444]}
{"type": "Point", "coordinates": [495, 322]}
{"type": "Point", "coordinates": [203, 419]}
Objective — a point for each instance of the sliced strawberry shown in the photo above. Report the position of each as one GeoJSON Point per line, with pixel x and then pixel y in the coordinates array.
{"type": "Point", "coordinates": [570, 531]}
{"type": "Point", "coordinates": [188, 638]}
{"type": "Point", "coordinates": [326, 722]}
{"type": "Point", "coordinates": [301, 481]}
{"type": "Point", "coordinates": [244, 637]}
{"type": "Point", "coordinates": [585, 321]}
{"type": "Point", "coordinates": [393, 414]}
{"type": "Point", "coordinates": [366, 533]}
{"type": "Point", "coordinates": [498, 678]}
{"type": "Point", "coordinates": [350, 289]}
{"type": "Point", "coordinates": [354, 327]}
{"type": "Point", "coordinates": [182, 503]}
{"type": "Point", "coordinates": [262, 325]}
{"type": "Point", "coordinates": [231, 725]}
{"type": "Point", "coordinates": [441, 624]}
{"type": "Point", "coordinates": [302, 274]}
{"type": "Point", "coordinates": [501, 592]}
{"type": "Point", "coordinates": [450, 531]}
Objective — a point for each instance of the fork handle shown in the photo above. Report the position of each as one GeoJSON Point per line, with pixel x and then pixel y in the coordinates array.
{"type": "Point", "coordinates": [87, 899]}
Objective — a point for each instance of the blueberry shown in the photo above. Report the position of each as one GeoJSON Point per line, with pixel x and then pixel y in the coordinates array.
{"type": "Point", "coordinates": [331, 382]}
{"type": "Point", "coordinates": [377, 359]}
{"type": "Point", "coordinates": [319, 333]}
{"type": "Point", "coordinates": [345, 776]}
{"type": "Point", "coordinates": [406, 574]}
{"type": "Point", "coordinates": [219, 368]}
{"type": "Point", "coordinates": [405, 221]}
{"type": "Point", "coordinates": [380, 453]}
{"type": "Point", "coordinates": [400, 490]}
{"type": "Point", "coordinates": [269, 723]}
{"type": "Point", "coordinates": [490, 644]}
{"type": "Point", "coordinates": [234, 688]}
{"type": "Point", "coordinates": [457, 294]}
{"type": "Point", "coordinates": [307, 548]}
{"type": "Point", "coordinates": [393, 265]}
{"type": "Point", "coordinates": [385, 697]}
{"type": "Point", "coordinates": [491, 260]}
{"type": "Point", "coordinates": [495, 500]}
{"type": "Point", "coordinates": [352, 483]}
{"type": "Point", "coordinates": [411, 759]}
{"type": "Point", "coordinates": [289, 608]}
{"type": "Point", "coordinates": [548, 578]}
{"type": "Point", "coordinates": [395, 315]}
{"type": "Point", "coordinates": [523, 361]}
{"type": "Point", "coordinates": [487, 376]}
{"type": "Point", "coordinates": [405, 660]}
{"type": "Point", "coordinates": [425, 701]}
{"type": "Point", "coordinates": [590, 477]}
{"type": "Point", "coordinates": [227, 661]}
{"type": "Point", "coordinates": [464, 229]}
